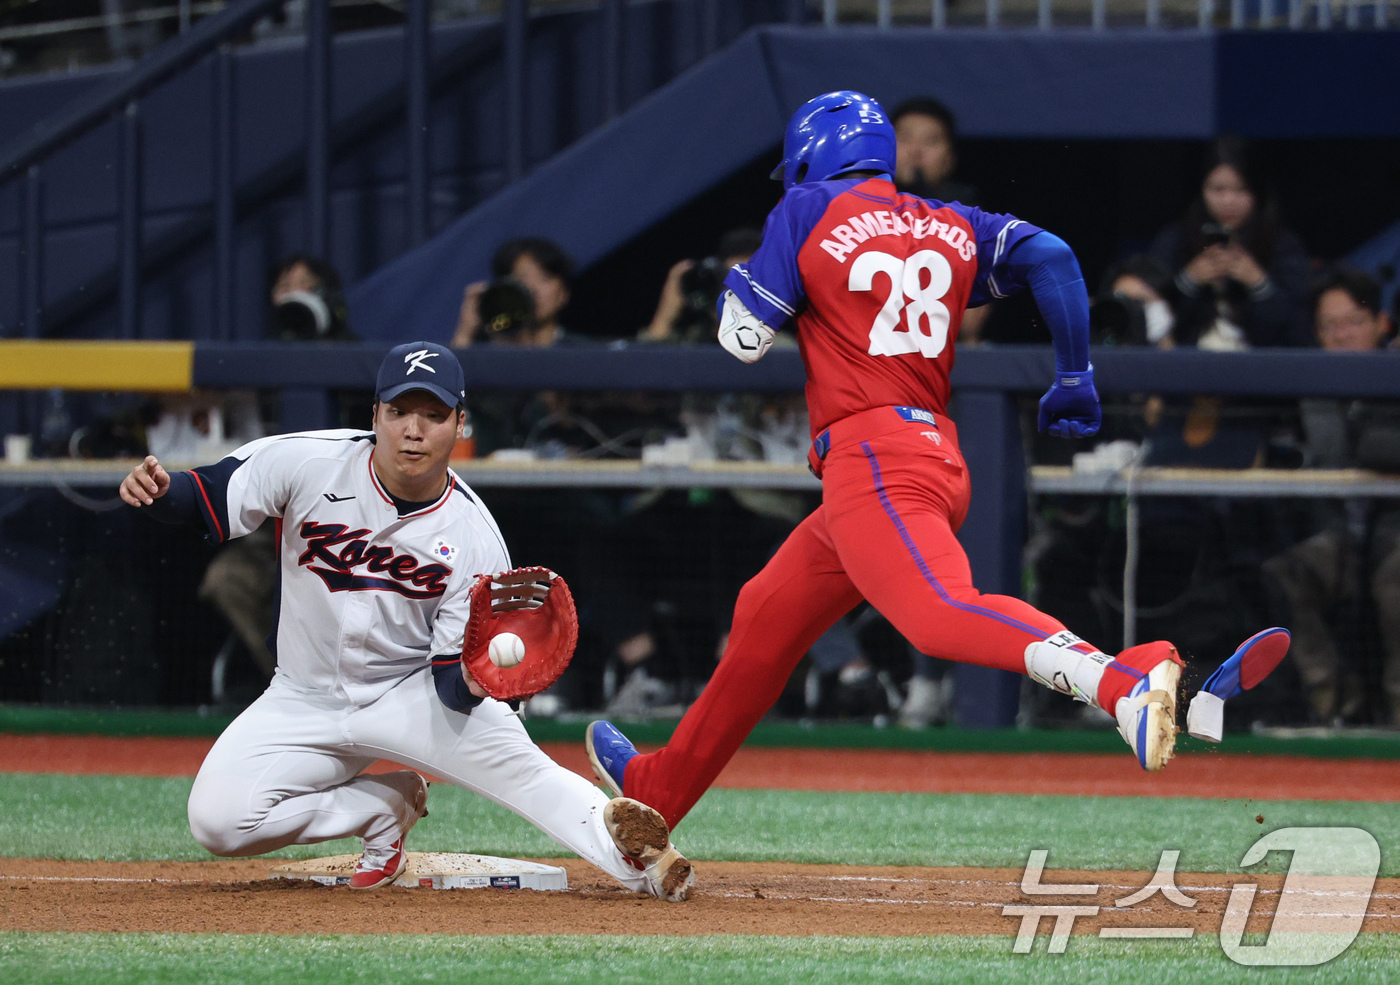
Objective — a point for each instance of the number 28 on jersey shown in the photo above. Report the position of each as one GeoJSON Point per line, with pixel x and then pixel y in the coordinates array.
{"type": "Point", "coordinates": [912, 318]}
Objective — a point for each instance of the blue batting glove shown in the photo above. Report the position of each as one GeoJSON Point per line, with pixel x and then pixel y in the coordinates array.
{"type": "Point", "coordinates": [1070, 408]}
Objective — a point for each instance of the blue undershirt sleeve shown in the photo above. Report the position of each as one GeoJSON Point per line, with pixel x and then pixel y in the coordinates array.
{"type": "Point", "coordinates": [1047, 265]}
{"type": "Point", "coordinates": [451, 687]}
{"type": "Point", "coordinates": [179, 505]}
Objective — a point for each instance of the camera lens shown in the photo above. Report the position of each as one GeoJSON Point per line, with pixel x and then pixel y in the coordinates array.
{"type": "Point", "coordinates": [300, 316]}
{"type": "Point", "coordinates": [506, 307]}
{"type": "Point", "coordinates": [1116, 320]}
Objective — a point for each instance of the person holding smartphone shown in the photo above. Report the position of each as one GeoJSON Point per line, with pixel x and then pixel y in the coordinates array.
{"type": "Point", "coordinates": [1243, 278]}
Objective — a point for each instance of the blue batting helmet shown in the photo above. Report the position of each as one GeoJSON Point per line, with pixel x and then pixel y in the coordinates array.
{"type": "Point", "coordinates": [835, 133]}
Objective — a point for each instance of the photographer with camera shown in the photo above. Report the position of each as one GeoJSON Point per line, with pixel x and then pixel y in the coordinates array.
{"type": "Point", "coordinates": [686, 311]}
{"type": "Point", "coordinates": [589, 530]}
{"type": "Point", "coordinates": [1135, 305]}
{"type": "Point", "coordinates": [308, 304]}
{"type": "Point", "coordinates": [1243, 278]}
{"type": "Point", "coordinates": [521, 304]}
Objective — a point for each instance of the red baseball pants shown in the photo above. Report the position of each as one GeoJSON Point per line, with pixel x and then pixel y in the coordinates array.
{"type": "Point", "coordinates": [893, 492]}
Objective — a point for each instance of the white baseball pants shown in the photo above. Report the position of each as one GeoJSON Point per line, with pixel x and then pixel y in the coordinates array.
{"type": "Point", "coordinates": [287, 772]}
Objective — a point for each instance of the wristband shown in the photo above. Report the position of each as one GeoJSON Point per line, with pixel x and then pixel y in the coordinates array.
{"type": "Point", "coordinates": [1082, 379]}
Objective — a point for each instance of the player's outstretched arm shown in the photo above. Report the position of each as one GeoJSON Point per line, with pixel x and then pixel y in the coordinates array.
{"type": "Point", "coordinates": [145, 484]}
{"type": "Point", "coordinates": [1070, 408]}
{"type": "Point", "coordinates": [163, 497]}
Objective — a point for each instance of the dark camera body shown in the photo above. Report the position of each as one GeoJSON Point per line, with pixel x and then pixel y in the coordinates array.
{"type": "Point", "coordinates": [310, 316]}
{"type": "Point", "coordinates": [702, 283]}
{"type": "Point", "coordinates": [701, 286]}
{"type": "Point", "coordinates": [1116, 320]}
{"type": "Point", "coordinates": [506, 308]}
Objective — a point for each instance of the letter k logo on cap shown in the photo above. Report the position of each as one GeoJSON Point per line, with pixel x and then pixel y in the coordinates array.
{"type": "Point", "coordinates": [416, 360]}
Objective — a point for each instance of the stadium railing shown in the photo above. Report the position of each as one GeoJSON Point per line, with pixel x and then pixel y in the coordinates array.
{"type": "Point", "coordinates": [1102, 15]}
{"type": "Point", "coordinates": [985, 382]}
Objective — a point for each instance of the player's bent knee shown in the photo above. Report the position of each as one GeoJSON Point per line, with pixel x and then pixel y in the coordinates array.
{"type": "Point", "coordinates": [219, 831]}
{"type": "Point", "coordinates": [213, 839]}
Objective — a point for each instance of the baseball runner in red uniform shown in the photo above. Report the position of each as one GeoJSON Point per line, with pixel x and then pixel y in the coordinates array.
{"type": "Point", "coordinates": [874, 283]}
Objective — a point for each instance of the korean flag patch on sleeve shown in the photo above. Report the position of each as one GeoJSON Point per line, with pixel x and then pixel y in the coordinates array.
{"type": "Point", "coordinates": [444, 552]}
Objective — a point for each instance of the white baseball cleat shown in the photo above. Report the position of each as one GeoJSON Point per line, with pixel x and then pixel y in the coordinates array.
{"type": "Point", "coordinates": [1147, 716]}
{"type": "Point", "coordinates": [641, 835]}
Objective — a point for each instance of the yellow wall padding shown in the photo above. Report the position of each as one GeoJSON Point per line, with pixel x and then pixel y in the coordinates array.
{"type": "Point", "coordinates": [148, 367]}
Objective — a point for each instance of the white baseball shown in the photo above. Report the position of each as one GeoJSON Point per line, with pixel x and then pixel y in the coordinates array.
{"type": "Point", "coordinates": [507, 649]}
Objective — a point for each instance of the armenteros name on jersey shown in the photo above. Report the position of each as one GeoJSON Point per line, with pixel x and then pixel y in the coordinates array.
{"type": "Point", "coordinates": [859, 228]}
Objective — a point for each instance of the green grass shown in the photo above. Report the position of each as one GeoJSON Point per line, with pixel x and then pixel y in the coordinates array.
{"type": "Point", "coordinates": [134, 818]}
{"type": "Point", "coordinates": [105, 817]}
{"type": "Point", "coordinates": [344, 960]}
{"type": "Point", "coordinates": [828, 735]}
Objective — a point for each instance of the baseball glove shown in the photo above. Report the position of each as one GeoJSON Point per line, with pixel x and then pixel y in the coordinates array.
{"type": "Point", "coordinates": [534, 604]}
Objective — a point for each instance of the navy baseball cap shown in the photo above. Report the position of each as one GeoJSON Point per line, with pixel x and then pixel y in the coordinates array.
{"type": "Point", "coordinates": [421, 366]}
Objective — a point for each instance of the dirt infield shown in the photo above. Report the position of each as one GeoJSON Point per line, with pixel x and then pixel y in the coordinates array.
{"type": "Point", "coordinates": [732, 898]}
{"type": "Point", "coordinates": [900, 771]}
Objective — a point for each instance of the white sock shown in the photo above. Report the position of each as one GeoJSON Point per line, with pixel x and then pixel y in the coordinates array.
{"type": "Point", "coordinates": [1055, 664]}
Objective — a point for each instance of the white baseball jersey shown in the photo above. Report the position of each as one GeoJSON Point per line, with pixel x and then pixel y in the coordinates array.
{"type": "Point", "coordinates": [367, 596]}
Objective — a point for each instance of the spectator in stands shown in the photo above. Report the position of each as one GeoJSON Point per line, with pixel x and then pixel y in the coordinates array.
{"type": "Point", "coordinates": [540, 268]}
{"type": "Point", "coordinates": [582, 534]}
{"type": "Point", "coordinates": [308, 304]}
{"type": "Point", "coordinates": [1347, 313]}
{"type": "Point", "coordinates": [521, 306]}
{"type": "Point", "coordinates": [1359, 540]}
{"type": "Point", "coordinates": [1135, 304]}
{"type": "Point", "coordinates": [926, 151]}
{"type": "Point", "coordinates": [648, 676]}
{"type": "Point", "coordinates": [647, 669]}
{"type": "Point", "coordinates": [686, 311]}
{"type": "Point", "coordinates": [1132, 308]}
{"type": "Point", "coordinates": [926, 155]}
{"type": "Point", "coordinates": [1242, 276]}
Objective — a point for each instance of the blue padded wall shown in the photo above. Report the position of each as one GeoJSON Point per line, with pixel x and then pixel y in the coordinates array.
{"type": "Point", "coordinates": [723, 113]}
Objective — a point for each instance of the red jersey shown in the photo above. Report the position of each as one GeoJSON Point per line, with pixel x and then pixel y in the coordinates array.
{"type": "Point", "coordinates": [876, 283]}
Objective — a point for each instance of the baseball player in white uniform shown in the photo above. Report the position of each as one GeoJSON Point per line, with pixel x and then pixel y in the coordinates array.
{"type": "Point", "coordinates": [378, 544]}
